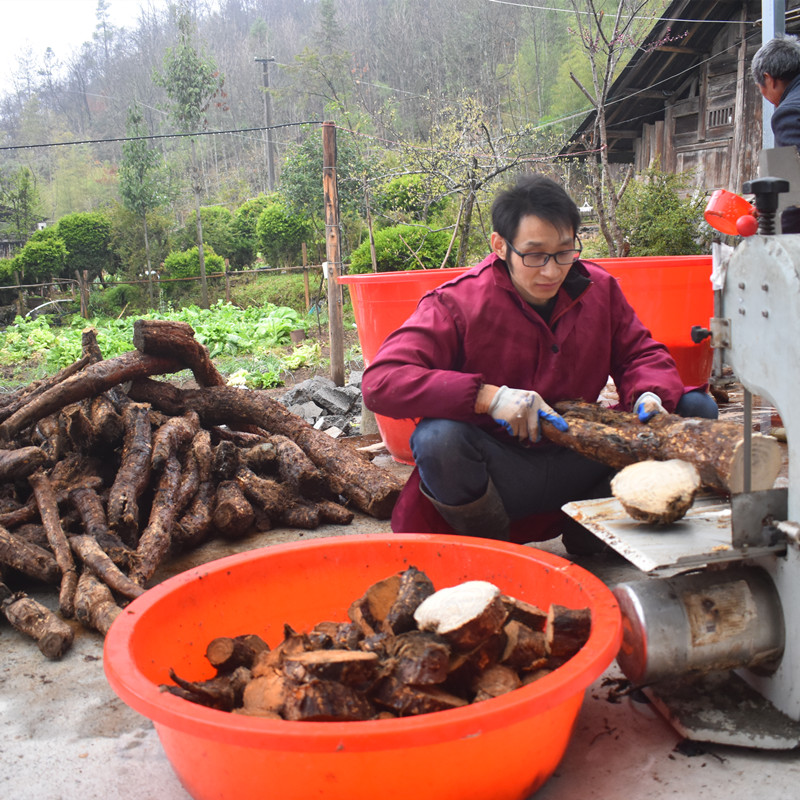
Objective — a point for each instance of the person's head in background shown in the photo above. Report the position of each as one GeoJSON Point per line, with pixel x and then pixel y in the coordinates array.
{"type": "Point", "coordinates": [775, 66]}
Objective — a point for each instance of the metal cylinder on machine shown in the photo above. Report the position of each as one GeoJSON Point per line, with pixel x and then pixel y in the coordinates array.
{"type": "Point", "coordinates": [699, 622]}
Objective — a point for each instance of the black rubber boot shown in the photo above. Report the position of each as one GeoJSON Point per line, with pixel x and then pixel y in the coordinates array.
{"type": "Point", "coordinates": [485, 517]}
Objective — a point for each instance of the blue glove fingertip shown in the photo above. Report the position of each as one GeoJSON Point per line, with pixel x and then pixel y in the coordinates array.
{"type": "Point", "coordinates": [557, 421]}
{"type": "Point", "coordinates": [505, 425]}
{"type": "Point", "coordinates": [644, 415]}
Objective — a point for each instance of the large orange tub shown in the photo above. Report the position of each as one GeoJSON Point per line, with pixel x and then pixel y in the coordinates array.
{"type": "Point", "coordinates": [669, 293]}
{"type": "Point", "coordinates": [503, 749]}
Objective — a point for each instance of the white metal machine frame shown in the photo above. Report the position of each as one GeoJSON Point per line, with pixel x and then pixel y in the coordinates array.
{"type": "Point", "coordinates": [714, 632]}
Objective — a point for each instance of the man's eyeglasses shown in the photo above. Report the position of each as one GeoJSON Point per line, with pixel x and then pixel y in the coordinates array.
{"type": "Point", "coordinates": [564, 258]}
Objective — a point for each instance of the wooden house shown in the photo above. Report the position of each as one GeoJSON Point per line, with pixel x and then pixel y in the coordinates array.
{"type": "Point", "coordinates": [686, 98]}
{"type": "Point", "coordinates": [10, 247]}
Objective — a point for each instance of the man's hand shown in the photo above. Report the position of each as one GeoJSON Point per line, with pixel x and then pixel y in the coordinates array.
{"type": "Point", "coordinates": [519, 412]}
{"type": "Point", "coordinates": [647, 406]}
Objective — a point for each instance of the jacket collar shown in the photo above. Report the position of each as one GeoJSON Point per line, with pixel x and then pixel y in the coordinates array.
{"type": "Point", "coordinates": [792, 85]}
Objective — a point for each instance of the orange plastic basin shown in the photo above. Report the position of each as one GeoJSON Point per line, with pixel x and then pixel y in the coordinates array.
{"type": "Point", "coordinates": [669, 293]}
{"type": "Point", "coordinates": [382, 302]}
{"type": "Point", "coordinates": [503, 749]}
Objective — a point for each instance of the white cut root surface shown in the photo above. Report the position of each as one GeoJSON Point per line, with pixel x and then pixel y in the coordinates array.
{"type": "Point", "coordinates": [657, 492]}
{"type": "Point", "coordinates": [449, 609]}
{"type": "Point", "coordinates": [466, 615]}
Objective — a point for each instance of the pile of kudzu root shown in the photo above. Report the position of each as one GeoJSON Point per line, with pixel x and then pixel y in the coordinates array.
{"type": "Point", "coordinates": [106, 472]}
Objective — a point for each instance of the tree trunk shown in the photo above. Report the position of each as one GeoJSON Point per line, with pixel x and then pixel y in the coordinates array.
{"type": "Point", "coordinates": [463, 244]}
{"type": "Point", "coordinates": [197, 195]}
{"type": "Point", "coordinates": [150, 292]}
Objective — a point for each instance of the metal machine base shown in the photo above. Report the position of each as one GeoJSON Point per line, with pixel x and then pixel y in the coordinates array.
{"type": "Point", "coordinates": [701, 538]}
{"type": "Point", "coordinates": [722, 708]}
{"type": "Point", "coordinates": [717, 707]}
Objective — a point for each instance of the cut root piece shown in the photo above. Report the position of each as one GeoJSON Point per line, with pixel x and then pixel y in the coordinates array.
{"type": "Point", "coordinates": [657, 492]}
{"type": "Point", "coordinates": [465, 615]}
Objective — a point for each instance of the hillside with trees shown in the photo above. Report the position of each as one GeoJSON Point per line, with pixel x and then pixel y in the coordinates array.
{"type": "Point", "coordinates": [160, 128]}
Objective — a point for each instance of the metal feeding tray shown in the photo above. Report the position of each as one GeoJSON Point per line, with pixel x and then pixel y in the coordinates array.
{"type": "Point", "coordinates": [703, 536]}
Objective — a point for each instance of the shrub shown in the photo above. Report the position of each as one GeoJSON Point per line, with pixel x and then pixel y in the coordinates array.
{"type": "Point", "coordinates": [87, 237]}
{"type": "Point", "coordinates": [186, 263]}
{"type": "Point", "coordinates": [127, 241]}
{"type": "Point", "coordinates": [245, 221]}
{"type": "Point", "coordinates": [281, 234]}
{"type": "Point", "coordinates": [41, 258]}
{"type": "Point", "coordinates": [219, 233]}
{"type": "Point", "coordinates": [7, 271]}
{"type": "Point", "coordinates": [404, 247]}
{"type": "Point", "coordinates": [113, 301]}
{"type": "Point", "coordinates": [659, 220]}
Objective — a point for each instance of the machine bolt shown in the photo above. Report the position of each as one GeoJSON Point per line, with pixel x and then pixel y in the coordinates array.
{"type": "Point", "coordinates": [699, 333]}
{"type": "Point", "coordinates": [765, 287]}
{"type": "Point", "coordinates": [741, 285]}
{"type": "Point", "coordinates": [765, 313]}
{"type": "Point", "coordinates": [766, 191]}
{"type": "Point", "coordinates": [742, 311]}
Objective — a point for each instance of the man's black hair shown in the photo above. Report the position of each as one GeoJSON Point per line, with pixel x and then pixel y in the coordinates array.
{"type": "Point", "coordinates": [537, 196]}
{"type": "Point", "coordinates": [779, 57]}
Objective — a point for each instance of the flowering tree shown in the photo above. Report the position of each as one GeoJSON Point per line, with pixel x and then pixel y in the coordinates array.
{"type": "Point", "coordinates": [607, 40]}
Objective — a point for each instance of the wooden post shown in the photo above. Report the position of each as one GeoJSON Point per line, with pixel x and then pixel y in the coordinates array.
{"type": "Point", "coordinates": [227, 281]}
{"type": "Point", "coordinates": [305, 276]}
{"type": "Point", "coordinates": [20, 295]}
{"type": "Point", "coordinates": [372, 254]}
{"type": "Point", "coordinates": [83, 288]}
{"type": "Point", "coordinates": [736, 174]}
{"type": "Point", "coordinates": [333, 251]}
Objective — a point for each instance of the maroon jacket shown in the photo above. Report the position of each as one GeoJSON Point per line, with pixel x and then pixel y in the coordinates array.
{"type": "Point", "coordinates": [477, 329]}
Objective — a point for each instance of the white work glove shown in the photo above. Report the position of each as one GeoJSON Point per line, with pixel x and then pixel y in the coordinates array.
{"type": "Point", "coordinates": [647, 406]}
{"type": "Point", "coordinates": [519, 411]}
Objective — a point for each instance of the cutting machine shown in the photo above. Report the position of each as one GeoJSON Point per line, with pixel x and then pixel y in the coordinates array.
{"type": "Point", "coordinates": [712, 630]}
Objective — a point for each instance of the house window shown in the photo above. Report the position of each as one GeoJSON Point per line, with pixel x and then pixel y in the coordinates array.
{"type": "Point", "coordinates": [720, 116]}
{"type": "Point", "coordinates": [686, 124]}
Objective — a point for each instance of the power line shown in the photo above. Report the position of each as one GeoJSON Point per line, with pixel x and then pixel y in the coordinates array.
{"type": "Point", "coordinates": [637, 16]}
{"type": "Point", "coordinates": [160, 136]}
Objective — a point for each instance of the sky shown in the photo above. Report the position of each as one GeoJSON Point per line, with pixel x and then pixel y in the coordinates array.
{"type": "Point", "coordinates": [62, 25]}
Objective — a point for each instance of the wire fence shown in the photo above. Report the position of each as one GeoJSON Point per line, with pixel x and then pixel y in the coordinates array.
{"type": "Point", "coordinates": [80, 289]}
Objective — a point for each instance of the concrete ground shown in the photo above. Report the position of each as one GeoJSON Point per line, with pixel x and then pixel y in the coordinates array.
{"type": "Point", "coordinates": [64, 735]}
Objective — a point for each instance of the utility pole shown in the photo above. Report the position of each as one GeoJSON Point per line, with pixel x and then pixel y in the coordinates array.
{"type": "Point", "coordinates": [265, 62]}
